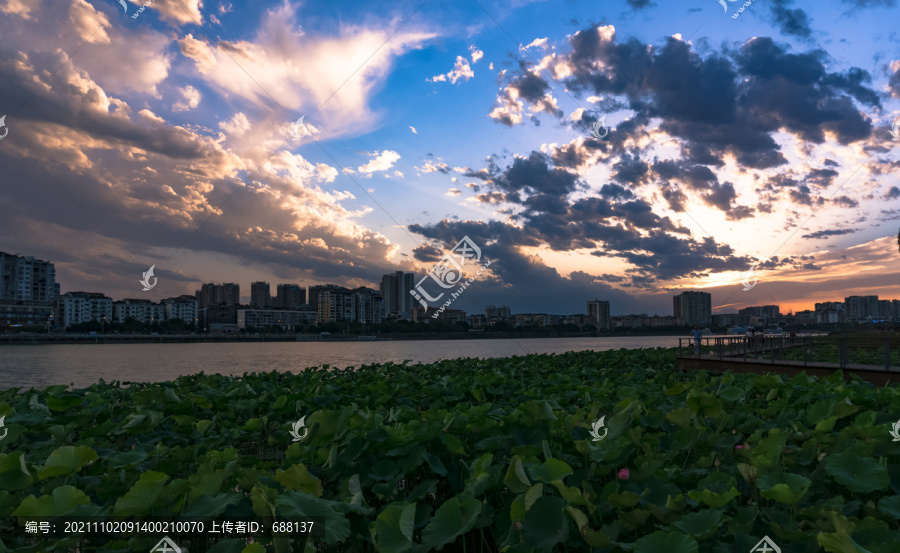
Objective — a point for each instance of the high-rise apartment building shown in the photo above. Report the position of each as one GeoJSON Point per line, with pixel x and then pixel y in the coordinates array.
{"type": "Point", "coordinates": [219, 294]}
{"type": "Point", "coordinates": [260, 294]}
{"type": "Point", "coordinates": [598, 313]}
{"type": "Point", "coordinates": [861, 308]}
{"type": "Point", "coordinates": [28, 290]}
{"type": "Point", "coordinates": [692, 308]}
{"type": "Point", "coordinates": [369, 306]}
{"type": "Point", "coordinates": [395, 289]}
{"type": "Point", "coordinates": [334, 303]}
{"type": "Point", "coordinates": [313, 296]}
{"type": "Point", "coordinates": [290, 296]}
{"type": "Point", "coordinates": [497, 313]}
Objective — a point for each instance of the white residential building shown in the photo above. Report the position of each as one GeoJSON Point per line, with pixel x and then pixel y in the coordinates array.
{"type": "Point", "coordinates": [144, 311]}
{"type": "Point", "coordinates": [182, 307]}
{"type": "Point", "coordinates": [82, 307]}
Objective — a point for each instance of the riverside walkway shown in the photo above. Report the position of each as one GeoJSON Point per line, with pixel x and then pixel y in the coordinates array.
{"type": "Point", "coordinates": [870, 358]}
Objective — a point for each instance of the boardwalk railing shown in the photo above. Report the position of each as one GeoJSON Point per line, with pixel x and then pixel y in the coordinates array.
{"type": "Point", "coordinates": [811, 350]}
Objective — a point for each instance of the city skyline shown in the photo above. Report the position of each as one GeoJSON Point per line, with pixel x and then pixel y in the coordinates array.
{"type": "Point", "coordinates": [687, 305]}
{"type": "Point", "coordinates": [172, 140]}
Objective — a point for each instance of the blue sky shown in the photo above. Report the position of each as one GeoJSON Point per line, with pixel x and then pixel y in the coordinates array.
{"type": "Point", "coordinates": [761, 141]}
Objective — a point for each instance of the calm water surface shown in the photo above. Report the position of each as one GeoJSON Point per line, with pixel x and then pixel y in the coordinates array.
{"type": "Point", "coordinates": [84, 364]}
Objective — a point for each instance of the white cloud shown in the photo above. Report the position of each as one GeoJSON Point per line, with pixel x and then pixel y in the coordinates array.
{"type": "Point", "coordinates": [413, 129]}
{"type": "Point", "coordinates": [22, 8]}
{"type": "Point", "coordinates": [299, 71]}
{"type": "Point", "coordinates": [536, 43]}
{"type": "Point", "coordinates": [461, 70]}
{"type": "Point", "coordinates": [191, 99]}
{"type": "Point", "coordinates": [435, 167]}
{"type": "Point", "coordinates": [476, 53]}
{"type": "Point", "coordinates": [454, 192]}
{"type": "Point", "coordinates": [89, 23]}
{"type": "Point", "coordinates": [384, 161]}
{"type": "Point", "coordinates": [237, 126]}
{"type": "Point", "coordinates": [180, 12]}
{"type": "Point", "coordinates": [398, 174]}
{"type": "Point", "coordinates": [491, 66]}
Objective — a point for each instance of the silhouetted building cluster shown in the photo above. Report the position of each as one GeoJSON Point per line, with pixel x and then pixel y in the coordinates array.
{"type": "Point", "coordinates": [30, 296]}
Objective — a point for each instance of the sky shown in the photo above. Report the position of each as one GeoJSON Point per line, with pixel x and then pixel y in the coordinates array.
{"type": "Point", "coordinates": [333, 142]}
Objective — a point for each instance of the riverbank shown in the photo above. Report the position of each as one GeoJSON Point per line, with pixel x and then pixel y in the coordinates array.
{"type": "Point", "coordinates": [42, 339]}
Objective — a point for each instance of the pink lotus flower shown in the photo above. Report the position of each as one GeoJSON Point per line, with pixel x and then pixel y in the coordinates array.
{"type": "Point", "coordinates": [624, 474]}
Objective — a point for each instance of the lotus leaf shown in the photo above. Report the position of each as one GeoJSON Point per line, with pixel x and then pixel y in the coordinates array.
{"type": "Point", "coordinates": [858, 474]}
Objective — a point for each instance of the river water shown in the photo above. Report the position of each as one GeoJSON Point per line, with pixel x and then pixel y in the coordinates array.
{"type": "Point", "coordinates": [81, 365]}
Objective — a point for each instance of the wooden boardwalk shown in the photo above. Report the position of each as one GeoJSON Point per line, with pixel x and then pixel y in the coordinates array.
{"type": "Point", "coordinates": [709, 362]}
{"type": "Point", "coordinates": [732, 354]}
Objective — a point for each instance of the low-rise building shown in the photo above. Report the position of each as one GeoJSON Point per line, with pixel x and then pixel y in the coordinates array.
{"type": "Point", "coordinates": [447, 315]}
{"type": "Point", "coordinates": [287, 319]}
{"type": "Point", "coordinates": [143, 311]}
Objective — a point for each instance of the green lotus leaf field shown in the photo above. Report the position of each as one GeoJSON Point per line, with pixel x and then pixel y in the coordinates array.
{"type": "Point", "coordinates": [465, 455]}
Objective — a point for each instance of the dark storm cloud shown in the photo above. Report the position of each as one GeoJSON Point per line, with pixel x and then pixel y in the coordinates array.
{"type": "Point", "coordinates": [826, 233]}
{"type": "Point", "coordinates": [616, 192]}
{"type": "Point", "coordinates": [676, 199]}
{"type": "Point", "coordinates": [822, 177]}
{"type": "Point", "coordinates": [77, 111]}
{"type": "Point", "coordinates": [892, 194]}
{"type": "Point", "coordinates": [801, 195]}
{"type": "Point", "coordinates": [573, 155]}
{"type": "Point", "coordinates": [862, 4]}
{"type": "Point", "coordinates": [535, 175]}
{"type": "Point", "coordinates": [531, 87]}
{"type": "Point", "coordinates": [894, 83]}
{"type": "Point", "coordinates": [845, 201]}
{"type": "Point", "coordinates": [729, 102]}
{"type": "Point", "coordinates": [630, 169]}
{"type": "Point", "coordinates": [428, 253]}
{"type": "Point", "coordinates": [791, 22]}
{"type": "Point", "coordinates": [722, 196]}
{"type": "Point", "coordinates": [640, 4]}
